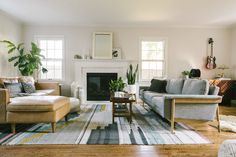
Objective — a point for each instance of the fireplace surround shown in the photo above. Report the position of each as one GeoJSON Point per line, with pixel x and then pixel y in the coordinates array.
{"type": "Point", "coordinates": [83, 67]}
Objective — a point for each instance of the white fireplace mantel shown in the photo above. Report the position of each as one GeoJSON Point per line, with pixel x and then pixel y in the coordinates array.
{"type": "Point", "coordinates": [82, 67]}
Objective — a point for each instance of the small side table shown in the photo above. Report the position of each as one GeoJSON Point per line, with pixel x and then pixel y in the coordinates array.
{"type": "Point", "coordinates": [122, 111]}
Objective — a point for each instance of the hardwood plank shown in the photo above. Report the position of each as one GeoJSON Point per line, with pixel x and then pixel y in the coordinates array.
{"type": "Point", "coordinates": [206, 150]}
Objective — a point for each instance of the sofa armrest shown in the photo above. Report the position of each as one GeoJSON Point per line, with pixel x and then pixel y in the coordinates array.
{"type": "Point", "coordinates": [4, 96]}
{"type": "Point", "coordinates": [198, 99]}
{"type": "Point", "coordinates": [48, 85]}
{"type": "Point", "coordinates": [4, 100]}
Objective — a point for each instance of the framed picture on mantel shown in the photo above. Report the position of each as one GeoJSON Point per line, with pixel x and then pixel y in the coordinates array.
{"type": "Point", "coordinates": [102, 45]}
{"type": "Point", "coordinates": [116, 53]}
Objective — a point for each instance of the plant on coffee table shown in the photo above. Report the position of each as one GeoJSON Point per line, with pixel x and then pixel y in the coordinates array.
{"type": "Point", "coordinates": [116, 85]}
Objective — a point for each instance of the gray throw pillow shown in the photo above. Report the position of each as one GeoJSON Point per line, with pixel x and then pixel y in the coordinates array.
{"type": "Point", "coordinates": [195, 86]}
{"type": "Point", "coordinates": [28, 87]}
{"type": "Point", "coordinates": [14, 88]}
{"type": "Point", "coordinates": [174, 86]}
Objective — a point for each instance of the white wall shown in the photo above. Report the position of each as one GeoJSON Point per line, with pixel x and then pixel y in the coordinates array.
{"type": "Point", "coordinates": [187, 47]}
{"type": "Point", "coordinates": [10, 29]}
{"type": "Point", "coordinates": [233, 52]}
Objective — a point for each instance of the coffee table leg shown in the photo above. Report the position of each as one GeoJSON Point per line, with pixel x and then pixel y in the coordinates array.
{"type": "Point", "coordinates": [113, 108]}
{"type": "Point", "coordinates": [130, 112]}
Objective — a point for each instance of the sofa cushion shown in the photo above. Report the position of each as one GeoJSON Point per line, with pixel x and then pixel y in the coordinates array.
{"type": "Point", "coordinates": [148, 95]}
{"type": "Point", "coordinates": [213, 90]}
{"type": "Point", "coordinates": [28, 87]}
{"type": "Point", "coordinates": [37, 103]}
{"type": "Point", "coordinates": [14, 88]}
{"type": "Point", "coordinates": [195, 86]}
{"type": "Point", "coordinates": [174, 86]}
{"type": "Point", "coordinates": [158, 103]}
{"type": "Point", "coordinates": [158, 86]}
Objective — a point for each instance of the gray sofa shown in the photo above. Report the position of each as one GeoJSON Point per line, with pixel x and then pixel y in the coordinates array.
{"type": "Point", "coordinates": [180, 98]}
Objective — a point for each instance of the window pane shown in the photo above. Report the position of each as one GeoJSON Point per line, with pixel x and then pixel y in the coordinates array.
{"type": "Point", "coordinates": [152, 59]}
{"type": "Point", "coordinates": [43, 52]}
{"type": "Point", "coordinates": [58, 74]}
{"type": "Point", "coordinates": [58, 65]}
{"type": "Point", "coordinates": [152, 69]}
{"type": "Point", "coordinates": [53, 52]}
{"type": "Point", "coordinates": [50, 74]}
{"type": "Point", "coordinates": [153, 45]}
{"type": "Point", "coordinates": [51, 44]}
{"type": "Point", "coordinates": [152, 50]}
{"type": "Point", "coordinates": [43, 44]}
{"type": "Point", "coordinates": [58, 44]}
{"type": "Point", "coordinates": [50, 54]}
{"type": "Point", "coordinates": [58, 54]}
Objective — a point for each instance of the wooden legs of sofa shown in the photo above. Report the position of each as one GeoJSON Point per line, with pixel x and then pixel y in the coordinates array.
{"type": "Point", "coordinates": [218, 118]}
{"type": "Point", "coordinates": [13, 128]}
{"type": "Point", "coordinates": [66, 118]}
{"type": "Point", "coordinates": [172, 117]}
{"type": "Point", "coordinates": [53, 126]}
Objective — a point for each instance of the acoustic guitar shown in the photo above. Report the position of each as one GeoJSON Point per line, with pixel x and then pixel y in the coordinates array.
{"type": "Point", "coordinates": [211, 60]}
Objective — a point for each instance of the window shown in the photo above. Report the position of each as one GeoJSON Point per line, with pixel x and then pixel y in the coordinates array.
{"type": "Point", "coordinates": [152, 59]}
{"type": "Point", "coordinates": [53, 51]}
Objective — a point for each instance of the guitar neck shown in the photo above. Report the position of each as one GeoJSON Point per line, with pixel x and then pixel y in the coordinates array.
{"type": "Point", "coordinates": [211, 49]}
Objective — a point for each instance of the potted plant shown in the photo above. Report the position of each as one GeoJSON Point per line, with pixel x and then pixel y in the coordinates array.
{"type": "Point", "coordinates": [116, 86]}
{"type": "Point", "coordinates": [131, 75]}
{"type": "Point", "coordinates": [27, 61]}
{"type": "Point", "coordinates": [186, 74]}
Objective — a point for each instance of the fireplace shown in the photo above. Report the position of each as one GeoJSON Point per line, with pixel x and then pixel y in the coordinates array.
{"type": "Point", "coordinates": [98, 86]}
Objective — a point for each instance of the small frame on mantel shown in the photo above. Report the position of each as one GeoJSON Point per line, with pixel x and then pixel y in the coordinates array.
{"type": "Point", "coordinates": [116, 53]}
{"type": "Point", "coordinates": [102, 45]}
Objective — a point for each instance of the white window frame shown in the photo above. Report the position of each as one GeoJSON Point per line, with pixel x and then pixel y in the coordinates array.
{"type": "Point", "coordinates": [53, 37]}
{"type": "Point", "coordinates": [165, 60]}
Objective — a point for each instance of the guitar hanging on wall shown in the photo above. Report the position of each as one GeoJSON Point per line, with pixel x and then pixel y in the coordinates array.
{"type": "Point", "coordinates": [211, 60]}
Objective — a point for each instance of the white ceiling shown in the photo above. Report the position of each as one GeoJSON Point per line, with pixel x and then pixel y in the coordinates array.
{"type": "Point", "coordinates": [193, 13]}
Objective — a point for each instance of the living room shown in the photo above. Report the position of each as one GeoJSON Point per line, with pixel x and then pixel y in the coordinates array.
{"type": "Point", "coordinates": [186, 34]}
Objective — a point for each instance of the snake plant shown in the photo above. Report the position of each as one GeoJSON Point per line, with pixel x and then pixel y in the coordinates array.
{"type": "Point", "coordinates": [131, 74]}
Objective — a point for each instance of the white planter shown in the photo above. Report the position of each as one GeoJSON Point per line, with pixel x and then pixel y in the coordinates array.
{"type": "Point", "coordinates": [131, 89]}
{"type": "Point", "coordinates": [186, 77]}
{"type": "Point", "coordinates": [119, 94]}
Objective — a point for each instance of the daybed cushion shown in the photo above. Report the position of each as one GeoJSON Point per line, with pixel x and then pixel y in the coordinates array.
{"type": "Point", "coordinates": [195, 86]}
{"type": "Point", "coordinates": [158, 86]}
{"type": "Point", "coordinates": [42, 92]}
{"type": "Point", "coordinates": [174, 86]}
{"type": "Point", "coordinates": [37, 103]}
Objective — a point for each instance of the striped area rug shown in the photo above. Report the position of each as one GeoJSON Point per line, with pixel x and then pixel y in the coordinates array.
{"type": "Point", "coordinates": [94, 126]}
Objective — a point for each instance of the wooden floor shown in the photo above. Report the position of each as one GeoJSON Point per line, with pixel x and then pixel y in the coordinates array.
{"type": "Point", "coordinates": [129, 150]}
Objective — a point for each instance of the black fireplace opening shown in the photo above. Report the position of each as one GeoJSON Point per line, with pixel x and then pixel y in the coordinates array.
{"type": "Point", "coordinates": [98, 86]}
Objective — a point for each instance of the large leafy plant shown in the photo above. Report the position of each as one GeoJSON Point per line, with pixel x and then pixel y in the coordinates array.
{"type": "Point", "coordinates": [27, 61]}
{"type": "Point", "coordinates": [116, 85]}
{"type": "Point", "coordinates": [131, 74]}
